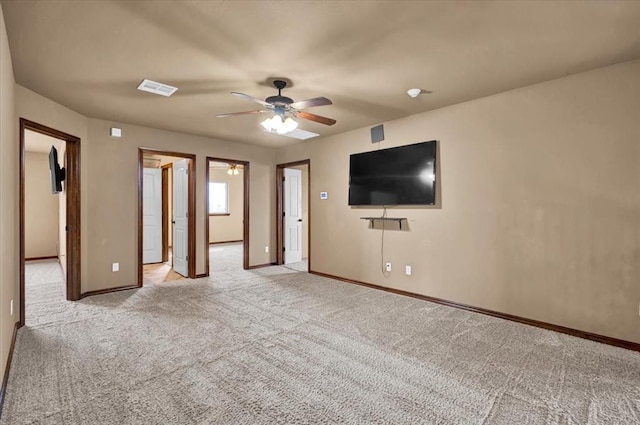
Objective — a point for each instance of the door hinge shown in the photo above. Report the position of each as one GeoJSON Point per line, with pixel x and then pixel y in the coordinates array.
{"type": "Point", "coordinates": [283, 249]}
{"type": "Point", "coordinates": [187, 258]}
{"type": "Point", "coordinates": [283, 213]}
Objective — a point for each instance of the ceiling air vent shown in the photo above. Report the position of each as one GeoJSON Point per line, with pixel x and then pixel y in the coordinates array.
{"type": "Point", "coordinates": [157, 88]}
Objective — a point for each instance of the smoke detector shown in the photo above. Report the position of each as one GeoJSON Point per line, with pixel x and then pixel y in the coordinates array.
{"type": "Point", "coordinates": [157, 88]}
{"type": "Point", "coordinates": [414, 92]}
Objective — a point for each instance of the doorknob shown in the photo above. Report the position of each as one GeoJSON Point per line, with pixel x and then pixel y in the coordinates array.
{"type": "Point", "coordinates": [299, 219]}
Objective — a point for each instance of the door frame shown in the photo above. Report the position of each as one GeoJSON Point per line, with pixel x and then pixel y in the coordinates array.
{"type": "Point", "coordinates": [165, 210]}
{"type": "Point", "coordinates": [191, 249]}
{"type": "Point", "coordinates": [280, 209]}
{"type": "Point", "coordinates": [72, 190]}
{"type": "Point", "coordinates": [158, 173]}
{"type": "Point", "coordinates": [245, 213]}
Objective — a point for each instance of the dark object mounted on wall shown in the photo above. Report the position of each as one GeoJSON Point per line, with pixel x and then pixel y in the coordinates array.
{"type": "Point", "coordinates": [405, 175]}
{"type": "Point", "coordinates": [377, 134]}
{"type": "Point", "coordinates": [57, 173]}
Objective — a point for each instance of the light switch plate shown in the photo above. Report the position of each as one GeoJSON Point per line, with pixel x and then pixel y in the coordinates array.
{"type": "Point", "coordinates": [324, 195]}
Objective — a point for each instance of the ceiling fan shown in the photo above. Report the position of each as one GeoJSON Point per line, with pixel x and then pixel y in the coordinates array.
{"type": "Point", "coordinates": [283, 108]}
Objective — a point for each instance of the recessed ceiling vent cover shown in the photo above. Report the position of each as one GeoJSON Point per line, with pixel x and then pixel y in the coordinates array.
{"type": "Point", "coordinates": [157, 88]}
{"type": "Point", "coordinates": [300, 134]}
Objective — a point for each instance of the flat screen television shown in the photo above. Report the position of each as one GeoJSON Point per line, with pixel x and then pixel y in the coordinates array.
{"type": "Point", "coordinates": [57, 173]}
{"type": "Point", "coordinates": [404, 175]}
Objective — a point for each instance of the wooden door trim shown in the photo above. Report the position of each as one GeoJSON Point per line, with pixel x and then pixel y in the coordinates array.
{"type": "Point", "coordinates": [191, 249]}
{"type": "Point", "coordinates": [73, 207]}
{"type": "Point", "coordinates": [165, 211]}
{"type": "Point", "coordinates": [280, 209]}
{"type": "Point", "coordinates": [246, 172]}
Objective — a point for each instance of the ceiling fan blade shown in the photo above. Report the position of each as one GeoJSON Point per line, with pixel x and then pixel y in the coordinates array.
{"type": "Point", "coordinates": [233, 114]}
{"type": "Point", "coordinates": [310, 103]}
{"type": "Point", "coordinates": [251, 98]}
{"type": "Point", "coordinates": [316, 118]}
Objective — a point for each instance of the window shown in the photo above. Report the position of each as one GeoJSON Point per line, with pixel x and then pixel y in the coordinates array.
{"type": "Point", "coordinates": [218, 198]}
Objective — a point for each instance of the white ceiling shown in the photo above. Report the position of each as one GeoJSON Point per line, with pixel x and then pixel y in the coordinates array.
{"type": "Point", "coordinates": [90, 56]}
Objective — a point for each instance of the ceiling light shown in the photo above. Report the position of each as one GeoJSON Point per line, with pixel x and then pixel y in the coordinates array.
{"type": "Point", "coordinates": [414, 92]}
{"type": "Point", "coordinates": [287, 126]}
{"type": "Point", "coordinates": [266, 124]}
{"type": "Point", "coordinates": [290, 124]}
{"type": "Point", "coordinates": [275, 124]}
{"type": "Point", "coordinates": [233, 170]}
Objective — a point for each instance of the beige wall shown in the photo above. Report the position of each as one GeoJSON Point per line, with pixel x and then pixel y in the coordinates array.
{"type": "Point", "coordinates": [41, 110]}
{"type": "Point", "coordinates": [229, 227]}
{"type": "Point", "coordinates": [41, 208]}
{"type": "Point", "coordinates": [538, 215]}
{"type": "Point", "coordinates": [113, 198]}
{"type": "Point", "coordinates": [109, 190]}
{"type": "Point", "coordinates": [539, 204]}
{"type": "Point", "coordinates": [9, 269]}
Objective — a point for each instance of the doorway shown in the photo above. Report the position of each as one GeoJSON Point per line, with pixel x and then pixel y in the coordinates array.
{"type": "Point", "coordinates": [227, 212]}
{"type": "Point", "coordinates": [293, 224]}
{"type": "Point", "coordinates": [166, 216]}
{"type": "Point", "coordinates": [68, 235]}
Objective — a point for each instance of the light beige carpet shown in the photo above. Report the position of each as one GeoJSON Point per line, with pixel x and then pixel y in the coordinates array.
{"type": "Point", "coordinates": [277, 346]}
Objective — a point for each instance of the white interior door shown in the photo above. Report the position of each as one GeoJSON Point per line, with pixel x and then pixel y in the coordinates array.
{"type": "Point", "coordinates": [292, 215]}
{"type": "Point", "coordinates": [181, 216]}
{"type": "Point", "coordinates": [152, 216]}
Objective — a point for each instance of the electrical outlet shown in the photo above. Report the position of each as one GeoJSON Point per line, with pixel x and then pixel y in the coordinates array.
{"type": "Point", "coordinates": [11, 307]}
{"type": "Point", "coordinates": [407, 270]}
{"type": "Point", "coordinates": [387, 267]}
{"type": "Point", "coordinates": [115, 267]}
{"type": "Point", "coordinates": [266, 248]}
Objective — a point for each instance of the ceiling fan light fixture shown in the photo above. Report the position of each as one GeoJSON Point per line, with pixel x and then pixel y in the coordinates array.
{"type": "Point", "coordinates": [276, 122]}
{"type": "Point", "coordinates": [281, 127]}
{"type": "Point", "coordinates": [266, 124]}
{"type": "Point", "coordinates": [233, 170]}
{"type": "Point", "coordinates": [290, 124]}
{"type": "Point", "coordinates": [284, 110]}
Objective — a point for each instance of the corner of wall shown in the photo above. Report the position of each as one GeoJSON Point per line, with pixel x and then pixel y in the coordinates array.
{"type": "Point", "coordinates": [9, 270]}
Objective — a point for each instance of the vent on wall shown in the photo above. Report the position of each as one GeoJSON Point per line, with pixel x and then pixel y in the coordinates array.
{"type": "Point", "coordinates": [157, 88]}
